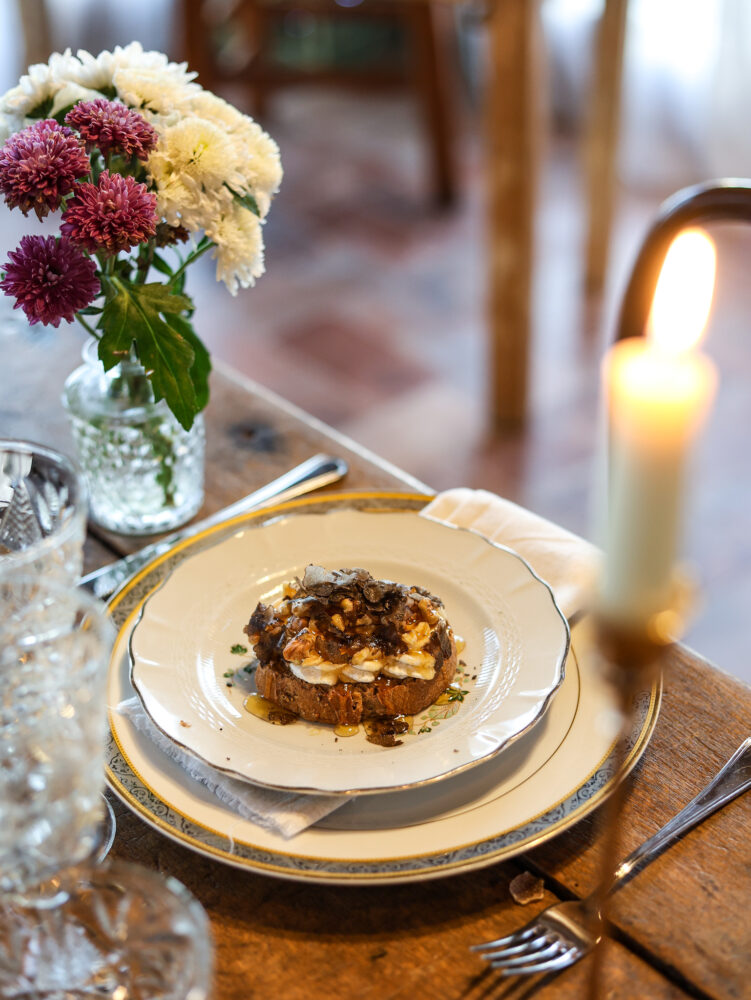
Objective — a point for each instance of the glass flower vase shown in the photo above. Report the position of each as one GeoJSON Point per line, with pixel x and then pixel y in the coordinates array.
{"type": "Point", "coordinates": [144, 471]}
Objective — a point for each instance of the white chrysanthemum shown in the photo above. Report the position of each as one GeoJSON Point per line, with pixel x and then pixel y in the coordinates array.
{"type": "Point", "coordinates": [239, 248]}
{"type": "Point", "coordinates": [35, 87]}
{"type": "Point", "coordinates": [154, 91]}
{"type": "Point", "coordinates": [94, 72]}
{"type": "Point", "coordinates": [57, 81]}
{"type": "Point", "coordinates": [204, 104]}
{"type": "Point", "coordinates": [63, 68]}
{"type": "Point", "coordinates": [261, 164]}
{"type": "Point", "coordinates": [194, 158]}
{"type": "Point", "coordinates": [70, 94]}
{"type": "Point", "coordinates": [191, 207]}
{"type": "Point", "coordinates": [133, 56]}
{"type": "Point", "coordinates": [97, 72]}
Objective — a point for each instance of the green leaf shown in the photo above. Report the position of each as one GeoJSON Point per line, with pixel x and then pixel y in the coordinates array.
{"type": "Point", "coordinates": [201, 368]}
{"type": "Point", "coordinates": [59, 116]}
{"type": "Point", "coordinates": [119, 164]}
{"type": "Point", "coordinates": [123, 268]}
{"type": "Point", "coordinates": [41, 110]}
{"type": "Point", "coordinates": [108, 289]}
{"type": "Point", "coordinates": [158, 296]}
{"type": "Point", "coordinates": [118, 321]}
{"type": "Point", "coordinates": [246, 200]}
{"type": "Point", "coordinates": [133, 315]}
{"type": "Point", "coordinates": [160, 264]}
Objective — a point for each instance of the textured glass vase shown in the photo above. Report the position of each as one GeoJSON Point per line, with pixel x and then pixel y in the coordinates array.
{"type": "Point", "coordinates": [144, 471]}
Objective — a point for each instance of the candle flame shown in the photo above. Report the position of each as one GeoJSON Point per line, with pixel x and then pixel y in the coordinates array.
{"type": "Point", "coordinates": [684, 292]}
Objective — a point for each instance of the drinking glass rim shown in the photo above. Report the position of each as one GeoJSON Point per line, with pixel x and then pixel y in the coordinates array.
{"type": "Point", "coordinates": [79, 498]}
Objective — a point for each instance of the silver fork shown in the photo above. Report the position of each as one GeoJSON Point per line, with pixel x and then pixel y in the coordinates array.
{"type": "Point", "coordinates": [565, 932]}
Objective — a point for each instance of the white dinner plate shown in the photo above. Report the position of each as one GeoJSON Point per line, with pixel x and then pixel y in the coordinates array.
{"type": "Point", "coordinates": [193, 686]}
{"type": "Point", "coordinates": [541, 785]}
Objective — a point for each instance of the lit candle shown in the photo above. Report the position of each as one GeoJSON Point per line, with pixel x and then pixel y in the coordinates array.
{"type": "Point", "coordinates": [659, 390]}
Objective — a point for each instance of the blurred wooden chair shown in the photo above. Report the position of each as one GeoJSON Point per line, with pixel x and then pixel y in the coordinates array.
{"type": "Point", "coordinates": [514, 113]}
{"type": "Point", "coordinates": [425, 70]}
{"type": "Point", "coordinates": [35, 28]}
{"type": "Point", "coordinates": [601, 139]}
{"type": "Point", "coordinates": [513, 123]}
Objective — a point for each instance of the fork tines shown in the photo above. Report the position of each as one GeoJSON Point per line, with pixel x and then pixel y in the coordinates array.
{"type": "Point", "coordinates": [526, 952]}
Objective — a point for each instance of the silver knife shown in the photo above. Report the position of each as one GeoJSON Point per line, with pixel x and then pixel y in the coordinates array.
{"type": "Point", "coordinates": [315, 472]}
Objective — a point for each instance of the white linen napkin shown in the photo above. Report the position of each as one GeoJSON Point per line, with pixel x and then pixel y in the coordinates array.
{"type": "Point", "coordinates": [564, 560]}
{"type": "Point", "coordinates": [286, 813]}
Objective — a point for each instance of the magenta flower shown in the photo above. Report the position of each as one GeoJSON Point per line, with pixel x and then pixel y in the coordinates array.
{"type": "Point", "coordinates": [40, 165]}
{"type": "Point", "coordinates": [116, 214]}
{"type": "Point", "coordinates": [111, 126]}
{"type": "Point", "coordinates": [50, 279]}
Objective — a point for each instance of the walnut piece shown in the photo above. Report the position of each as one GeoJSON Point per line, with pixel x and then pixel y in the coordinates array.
{"type": "Point", "coordinates": [526, 888]}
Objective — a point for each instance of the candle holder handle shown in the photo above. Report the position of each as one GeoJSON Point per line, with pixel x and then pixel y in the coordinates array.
{"type": "Point", "coordinates": [727, 199]}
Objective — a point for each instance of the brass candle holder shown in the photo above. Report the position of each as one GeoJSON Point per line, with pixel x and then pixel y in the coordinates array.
{"type": "Point", "coordinates": [633, 653]}
{"type": "Point", "coordinates": [632, 657]}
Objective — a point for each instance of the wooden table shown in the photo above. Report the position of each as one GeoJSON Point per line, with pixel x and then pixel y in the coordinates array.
{"type": "Point", "coordinates": [682, 928]}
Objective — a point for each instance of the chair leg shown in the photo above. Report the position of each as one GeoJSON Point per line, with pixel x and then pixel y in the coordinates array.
{"type": "Point", "coordinates": [258, 23]}
{"type": "Point", "coordinates": [196, 40]}
{"type": "Point", "coordinates": [601, 141]}
{"type": "Point", "coordinates": [35, 25]}
{"type": "Point", "coordinates": [431, 83]}
{"type": "Point", "coordinates": [513, 113]}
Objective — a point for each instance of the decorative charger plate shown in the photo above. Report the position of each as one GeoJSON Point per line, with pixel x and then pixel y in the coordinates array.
{"type": "Point", "coordinates": [546, 781]}
{"type": "Point", "coordinates": [193, 687]}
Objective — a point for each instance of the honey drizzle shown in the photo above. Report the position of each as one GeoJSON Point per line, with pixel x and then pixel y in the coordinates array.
{"type": "Point", "coordinates": [267, 710]}
{"type": "Point", "coordinates": [343, 730]}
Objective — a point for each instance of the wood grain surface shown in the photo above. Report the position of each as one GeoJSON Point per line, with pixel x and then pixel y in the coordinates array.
{"type": "Point", "coordinates": [681, 927]}
{"type": "Point", "coordinates": [513, 121]}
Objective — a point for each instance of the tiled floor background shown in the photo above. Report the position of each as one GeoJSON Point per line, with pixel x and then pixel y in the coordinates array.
{"type": "Point", "coordinates": [371, 316]}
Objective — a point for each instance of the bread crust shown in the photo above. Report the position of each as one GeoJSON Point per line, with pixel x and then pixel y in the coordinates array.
{"type": "Point", "coordinates": [348, 703]}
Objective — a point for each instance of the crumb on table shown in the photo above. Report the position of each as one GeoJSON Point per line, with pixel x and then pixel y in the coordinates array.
{"type": "Point", "coordinates": [526, 888]}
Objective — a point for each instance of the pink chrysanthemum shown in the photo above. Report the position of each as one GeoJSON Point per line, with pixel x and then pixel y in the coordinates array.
{"type": "Point", "coordinates": [40, 165]}
{"type": "Point", "coordinates": [116, 214]}
{"type": "Point", "coordinates": [50, 279]}
{"type": "Point", "coordinates": [111, 126]}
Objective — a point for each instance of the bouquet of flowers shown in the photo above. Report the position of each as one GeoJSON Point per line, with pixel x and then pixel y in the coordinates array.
{"type": "Point", "coordinates": [150, 171]}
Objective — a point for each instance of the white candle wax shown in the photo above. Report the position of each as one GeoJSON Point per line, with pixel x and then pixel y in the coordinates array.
{"type": "Point", "coordinates": [657, 402]}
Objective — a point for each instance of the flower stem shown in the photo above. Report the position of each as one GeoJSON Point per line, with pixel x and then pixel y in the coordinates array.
{"type": "Point", "coordinates": [144, 262]}
{"type": "Point", "coordinates": [190, 259]}
{"type": "Point", "coordinates": [87, 327]}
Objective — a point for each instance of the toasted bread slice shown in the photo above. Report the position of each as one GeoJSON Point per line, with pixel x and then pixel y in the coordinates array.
{"type": "Point", "coordinates": [347, 703]}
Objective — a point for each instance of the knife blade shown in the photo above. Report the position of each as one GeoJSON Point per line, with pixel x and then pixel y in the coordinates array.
{"type": "Point", "coordinates": [312, 474]}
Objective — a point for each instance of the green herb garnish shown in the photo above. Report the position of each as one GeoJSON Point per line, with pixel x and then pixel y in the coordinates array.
{"type": "Point", "coordinates": [238, 649]}
{"type": "Point", "coordinates": [456, 694]}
